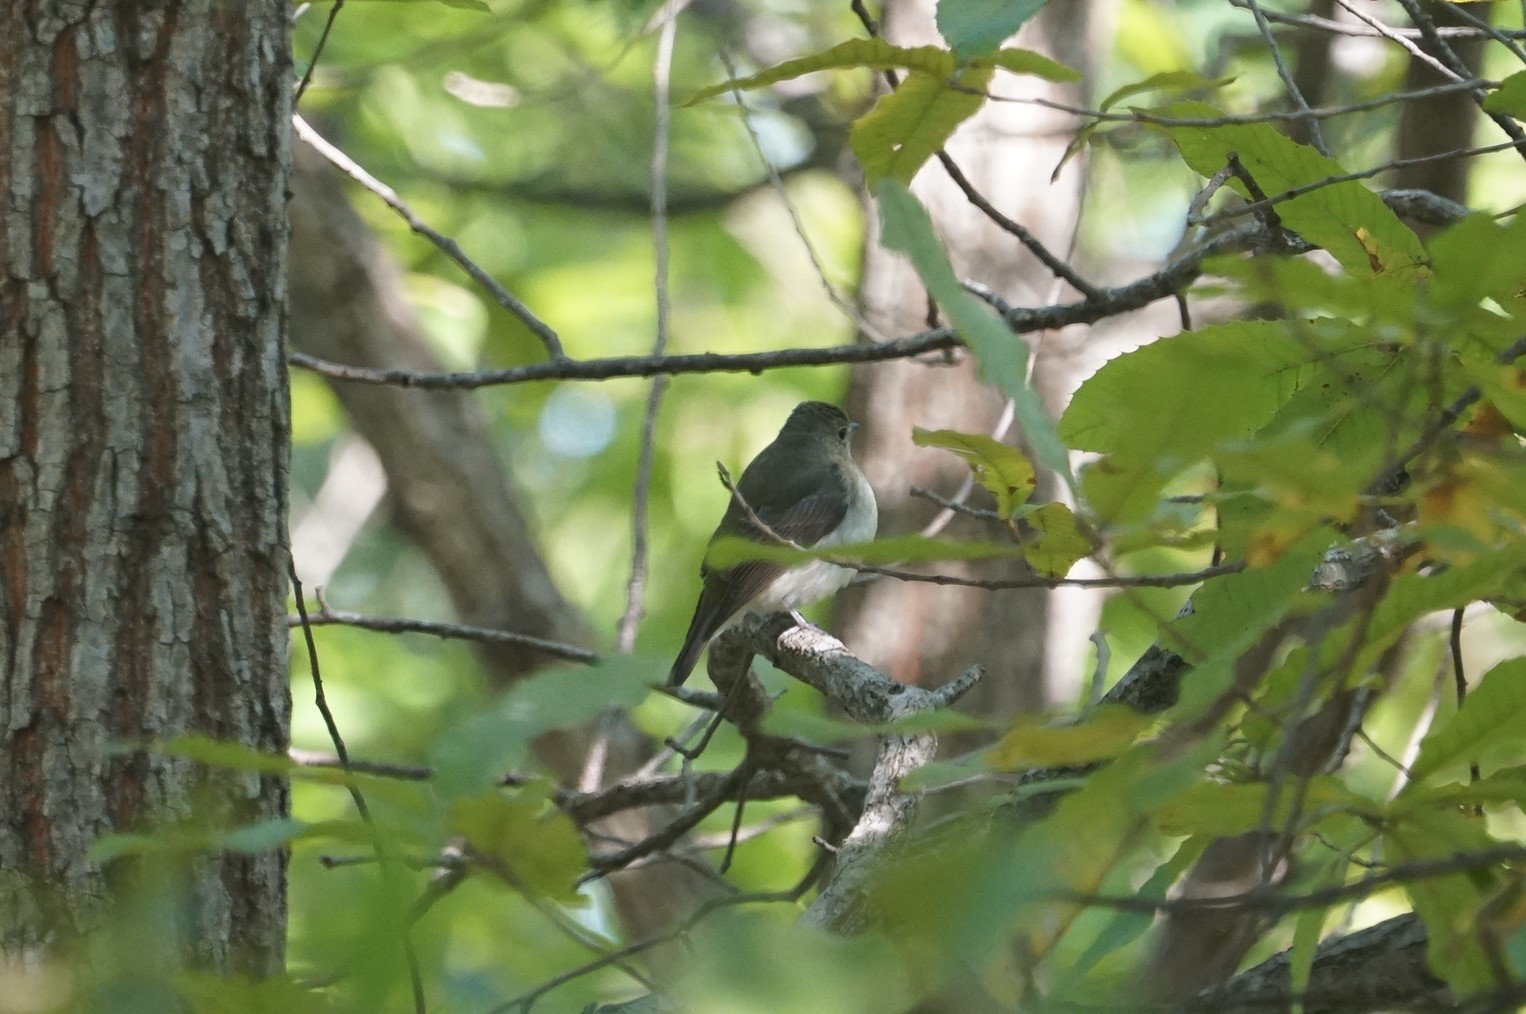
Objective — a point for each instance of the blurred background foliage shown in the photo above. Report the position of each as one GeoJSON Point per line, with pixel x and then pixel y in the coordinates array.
{"type": "Point", "coordinates": [525, 132]}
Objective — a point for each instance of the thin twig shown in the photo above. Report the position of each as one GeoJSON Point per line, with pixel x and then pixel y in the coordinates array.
{"type": "Point", "coordinates": [415, 973]}
{"type": "Point", "coordinates": [940, 340]}
{"type": "Point", "coordinates": [329, 616]}
{"type": "Point", "coordinates": [312, 64]}
{"type": "Point", "coordinates": [447, 245]}
{"type": "Point", "coordinates": [776, 183]}
{"type": "Point", "coordinates": [1255, 207]}
{"type": "Point", "coordinates": [1316, 137]}
{"type": "Point", "coordinates": [1319, 24]}
{"type": "Point", "coordinates": [635, 588]}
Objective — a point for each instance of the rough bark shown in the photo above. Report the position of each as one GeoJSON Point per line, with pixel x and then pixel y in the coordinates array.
{"type": "Point", "coordinates": [455, 499]}
{"type": "Point", "coordinates": [919, 633]}
{"type": "Point", "coordinates": [143, 443]}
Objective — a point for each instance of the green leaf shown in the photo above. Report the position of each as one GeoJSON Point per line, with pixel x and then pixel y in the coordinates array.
{"type": "Point", "coordinates": [874, 54]}
{"type": "Point", "coordinates": [1109, 730]}
{"type": "Point", "coordinates": [1230, 614]}
{"type": "Point", "coordinates": [1169, 81]}
{"type": "Point", "coordinates": [1347, 219]}
{"type": "Point", "coordinates": [205, 993]}
{"type": "Point", "coordinates": [1414, 595]}
{"type": "Point", "coordinates": [1000, 468]}
{"type": "Point", "coordinates": [1132, 409]}
{"type": "Point", "coordinates": [535, 842]}
{"type": "Point", "coordinates": [1452, 907]}
{"type": "Point", "coordinates": [1003, 356]}
{"type": "Point", "coordinates": [976, 27]}
{"type": "Point", "coordinates": [1510, 97]}
{"type": "Point", "coordinates": [906, 127]}
{"type": "Point", "coordinates": [1123, 928]}
{"type": "Point", "coordinates": [1219, 810]}
{"type": "Point", "coordinates": [1024, 61]}
{"type": "Point", "coordinates": [113, 846]}
{"type": "Point", "coordinates": [220, 754]}
{"type": "Point", "coordinates": [1494, 712]}
{"type": "Point", "coordinates": [1478, 258]}
{"type": "Point", "coordinates": [264, 835]}
{"type": "Point", "coordinates": [473, 754]}
{"type": "Point", "coordinates": [819, 728]}
{"type": "Point", "coordinates": [1058, 540]}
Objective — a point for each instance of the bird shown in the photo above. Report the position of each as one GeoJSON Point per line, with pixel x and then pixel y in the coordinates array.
{"type": "Point", "coordinates": [807, 490]}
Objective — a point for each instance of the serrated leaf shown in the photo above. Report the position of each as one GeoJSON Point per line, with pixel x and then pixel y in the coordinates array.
{"type": "Point", "coordinates": [1347, 219]}
{"type": "Point", "coordinates": [1510, 97]}
{"type": "Point", "coordinates": [1003, 356]}
{"type": "Point", "coordinates": [1058, 540]}
{"type": "Point", "coordinates": [976, 27]}
{"type": "Point", "coordinates": [1166, 81]}
{"type": "Point", "coordinates": [535, 842]}
{"type": "Point", "coordinates": [1494, 712]}
{"type": "Point", "coordinates": [1000, 468]}
{"type": "Point", "coordinates": [906, 127]}
{"type": "Point", "coordinates": [1109, 730]}
{"type": "Point", "coordinates": [1239, 374]}
{"type": "Point", "coordinates": [874, 54]}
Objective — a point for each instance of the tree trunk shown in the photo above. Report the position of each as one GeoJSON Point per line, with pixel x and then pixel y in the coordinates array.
{"type": "Point", "coordinates": [923, 633]}
{"type": "Point", "coordinates": [143, 456]}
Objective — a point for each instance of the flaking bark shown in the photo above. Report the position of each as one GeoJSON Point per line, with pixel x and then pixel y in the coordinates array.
{"type": "Point", "coordinates": [143, 453]}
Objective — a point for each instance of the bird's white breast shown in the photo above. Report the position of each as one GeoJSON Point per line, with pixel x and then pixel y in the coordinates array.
{"type": "Point", "coordinates": [816, 580]}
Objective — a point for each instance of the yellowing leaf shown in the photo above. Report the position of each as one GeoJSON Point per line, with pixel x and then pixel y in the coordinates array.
{"type": "Point", "coordinates": [1107, 732]}
{"type": "Point", "coordinates": [1000, 468]}
{"type": "Point", "coordinates": [1058, 543]}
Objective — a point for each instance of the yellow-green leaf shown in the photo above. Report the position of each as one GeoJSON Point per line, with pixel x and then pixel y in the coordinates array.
{"type": "Point", "coordinates": [1493, 712]}
{"type": "Point", "coordinates": [907, 126]}
{"type": "Point", "coordinates": [874, 54]}
{"type": "Point", "coordinates": [1107, 732]}
{"type": "Point", "coordinates": [1059, 541]}
{"type": "Point", "coordinates": [535, 842]}
{"type": "Point", "coordinates": [999, 467]}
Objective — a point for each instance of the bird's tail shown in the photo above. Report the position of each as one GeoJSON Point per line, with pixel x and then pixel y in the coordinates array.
{"type": "Point", "coordinates": [701, 629]}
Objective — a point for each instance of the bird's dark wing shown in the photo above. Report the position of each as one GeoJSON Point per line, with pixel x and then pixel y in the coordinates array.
{"type": "Point", "coordinates": [804, 506]}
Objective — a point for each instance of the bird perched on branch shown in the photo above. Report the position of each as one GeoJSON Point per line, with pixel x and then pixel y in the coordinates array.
{"type": "Point", "coordinates": [804, 489]}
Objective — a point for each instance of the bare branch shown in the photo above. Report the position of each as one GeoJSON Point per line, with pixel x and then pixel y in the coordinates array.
{"type": "Point", "coordinates": [448, 246]}
{"type": "Point", "coordinates": [328, 616]}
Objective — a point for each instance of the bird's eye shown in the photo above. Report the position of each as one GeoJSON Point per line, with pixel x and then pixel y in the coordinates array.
{"type": "Point", "coordinates": [842, 434]}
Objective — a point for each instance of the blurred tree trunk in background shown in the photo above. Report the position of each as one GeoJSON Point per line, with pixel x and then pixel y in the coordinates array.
{"type": "Point", "coordinates": [143, 458]}
{"type": "Point", "coordinates": [457, 502]}
{"type": "Point", "coordinates": [923, 633]}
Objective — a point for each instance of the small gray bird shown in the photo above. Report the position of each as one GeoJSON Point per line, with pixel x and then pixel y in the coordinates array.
{"type": "Point", "coordinates": [806, 488]}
